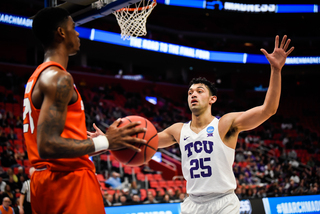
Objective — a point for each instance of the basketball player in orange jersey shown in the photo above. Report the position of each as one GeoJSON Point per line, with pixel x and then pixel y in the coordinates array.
{"type": "Point", "coordinates": [208, 144]}
{"type": "Point", "coordinates": [54, 126]}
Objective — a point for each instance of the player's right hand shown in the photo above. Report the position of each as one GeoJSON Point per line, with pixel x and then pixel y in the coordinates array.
{"type": "Point", "coordinates": [121, 137]}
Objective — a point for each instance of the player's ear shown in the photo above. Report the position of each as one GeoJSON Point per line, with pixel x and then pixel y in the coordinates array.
{"type": "Point", "coordinates": [213, 99]}
{"type": "Point", "coordinates": [61, 32]}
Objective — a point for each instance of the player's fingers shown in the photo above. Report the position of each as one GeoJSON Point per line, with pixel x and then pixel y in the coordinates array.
{"type": "Point", "coordinates": [264, 51]}
{"type": "Point", "coordinates": [276, 43]}
{"type": "Point", "coordinates": [97, 129]}
{"type": "Point", "coordinates": [134, 131]}
{"type": "Point", "coordinates": [136, 140]}
{"type": "Point", "coordinates": [283, 41]}
{"type": "Point", "coordinates": [289, 51]}
{"type": "Point", "coordinates": [116, 123]}
{"type": "Point", "coordinates": [134, 148]}
{"type": "Point", "coordinates": [287, 45]}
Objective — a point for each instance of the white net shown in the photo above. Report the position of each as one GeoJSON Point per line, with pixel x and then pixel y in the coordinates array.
{"type": "Point", "coordinates": [132, 20]}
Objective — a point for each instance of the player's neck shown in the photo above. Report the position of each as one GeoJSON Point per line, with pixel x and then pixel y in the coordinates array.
{"type": "Point", "coordinates": [201, 121]}
{"type": "Point", "coordinates": [57, 55]}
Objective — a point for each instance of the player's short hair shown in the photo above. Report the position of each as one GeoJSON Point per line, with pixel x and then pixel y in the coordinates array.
{"type": "Point", "coordinates": [46, 22]}
{"type": "Point", "coordinates": [211, 86]}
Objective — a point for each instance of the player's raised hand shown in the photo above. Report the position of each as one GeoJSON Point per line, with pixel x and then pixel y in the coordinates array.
{"type": "Point", "coordinates": [279, 55]}
{"type": "Point", "coordinates": [121, 137]}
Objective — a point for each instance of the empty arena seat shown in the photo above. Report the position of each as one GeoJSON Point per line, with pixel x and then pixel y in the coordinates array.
{"type": "Point", "coordinates": [100, 178]}
{"type": "Point", "coordinates": [153, 184]}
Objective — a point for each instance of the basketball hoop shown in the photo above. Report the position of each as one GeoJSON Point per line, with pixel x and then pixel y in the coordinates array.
{"type": "Point", "coordinates": [132, 19]}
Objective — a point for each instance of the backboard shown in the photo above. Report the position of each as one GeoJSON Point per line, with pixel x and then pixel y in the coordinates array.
{"type": "Point", "coordinates": [83, 11]}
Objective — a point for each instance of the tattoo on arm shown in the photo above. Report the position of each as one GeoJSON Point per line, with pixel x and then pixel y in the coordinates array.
{"type": "Point", "coordinates": [53, 125]}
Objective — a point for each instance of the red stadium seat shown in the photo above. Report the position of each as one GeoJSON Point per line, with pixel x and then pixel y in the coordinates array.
{"type": "Point", "coordinates": [7, 130]}
{"type": "Point", "coordinates": [158, 177]}
{"type": "Point", "coordinates": [15, 170]}
{"type": "Point", "coordinates": [103, 186]}
{"type": "Point", "coordinates": [163, 184]}
{"type": "Point", "coordinates": [184, 189]}
{"type": "Point", "coordinates": [171, 183]}
{"type": "Point", "coordinates": [17, 130]}
{"type": "Point", "coordinates": [154, 184]}
{"type": "Point", "coordinates": [127, 170]}
{"type": "Point", "coordinates": [18, 142]}
{"type": "Point", "coordinates": [26, 170]}
{"type": "Point", "coordinates": [100, 178]}
{"type": "Point", "coordinates": [184, 183]}
{"type": "Point", "coordinates": [115, 163]}
{"type": "Point", "coordinates": [111, 157]}
{"type": "Point", "coordinates": [26, 163]}
{"type": "Point", "coordinates": [161, 190]}
{"type": "Point", "coordinates": [178, 183]}
{"type": "Point", "coordinates": [137, 170]}
{"type": "Point", "coordinates": [9, 107]}
{"type": "Point", "coordinates": [140, 177]}
{"type": "Point", "coordinates": [19, 162]}
{"type": "Point", "coordinates": [150, 177]}
{"type": "Point", "coordinates": [143, 194]}
{"type": "Point", "coordinates": [104, 157]}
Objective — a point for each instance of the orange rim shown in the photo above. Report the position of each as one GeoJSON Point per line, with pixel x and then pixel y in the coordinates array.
{"type": "Point", "coordinates": [139, 8]}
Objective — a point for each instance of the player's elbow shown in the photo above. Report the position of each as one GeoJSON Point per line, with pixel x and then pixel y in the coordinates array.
{"type": "Point", "coordinates": [270, 112]}
{"type": "Point", "coordinates": [45, 150]}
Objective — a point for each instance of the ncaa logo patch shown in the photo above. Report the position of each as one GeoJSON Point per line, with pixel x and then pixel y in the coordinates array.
{"type": "Point", "coordinates": [210, 130]}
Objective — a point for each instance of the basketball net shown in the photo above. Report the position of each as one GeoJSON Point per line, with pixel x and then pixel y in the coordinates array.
{"type": "Point", "coordinates": [132, 19]}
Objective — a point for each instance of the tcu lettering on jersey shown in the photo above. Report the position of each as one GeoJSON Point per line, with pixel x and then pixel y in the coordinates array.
{"type": "Point", "coordinates": [199, 146]}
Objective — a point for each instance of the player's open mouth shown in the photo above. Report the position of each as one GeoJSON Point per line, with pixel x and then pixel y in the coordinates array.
{"type": "Point", "coordinates": [193, 101]}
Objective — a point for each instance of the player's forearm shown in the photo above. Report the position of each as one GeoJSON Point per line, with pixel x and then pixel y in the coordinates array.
{"type": "Point", "coordinates": [52, 145]}
{"type": "Point", "coordinates": [272, 98]}
{"type": "Point", "coordinates": [58, 147]}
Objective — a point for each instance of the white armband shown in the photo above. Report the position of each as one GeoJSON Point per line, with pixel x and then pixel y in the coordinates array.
{"type": "Point", "coordinates": [100, 143]}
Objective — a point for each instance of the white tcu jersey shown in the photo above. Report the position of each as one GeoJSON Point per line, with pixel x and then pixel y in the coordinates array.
{"type": "Point", "coordinates": [206, 160]}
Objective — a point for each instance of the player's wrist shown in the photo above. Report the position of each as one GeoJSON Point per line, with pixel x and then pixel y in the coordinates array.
{"type": "Point", "coordinates": [100, 143]}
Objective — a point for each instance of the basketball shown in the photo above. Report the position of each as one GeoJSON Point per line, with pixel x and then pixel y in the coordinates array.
{"type": "Point", "coordinates": [132, 158]}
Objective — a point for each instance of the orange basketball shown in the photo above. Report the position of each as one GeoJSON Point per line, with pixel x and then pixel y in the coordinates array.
{"type": "Point", "coordinates": [132, 158]}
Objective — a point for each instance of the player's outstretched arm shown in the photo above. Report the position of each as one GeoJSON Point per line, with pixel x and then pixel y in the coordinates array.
{"type": "Point", "coordinates": [170, 135]}
{"type": "Point", "coordinates": [252, 118]}
{"type": "Point", "coordinates": [57, 88]}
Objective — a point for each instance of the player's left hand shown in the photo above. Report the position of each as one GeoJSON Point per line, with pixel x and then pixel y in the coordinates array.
{"type": "Point", "coordinates": [279, 55]}
{"type": "Point", "coordinates": [94, 134]}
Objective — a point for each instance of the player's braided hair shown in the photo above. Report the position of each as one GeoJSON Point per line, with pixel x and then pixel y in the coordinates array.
{"type": "Point", "coordinates": [210, 85]}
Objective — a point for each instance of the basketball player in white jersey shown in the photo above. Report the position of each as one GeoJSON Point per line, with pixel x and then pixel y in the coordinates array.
{"type": "Point", "coordinates": [208, 144]}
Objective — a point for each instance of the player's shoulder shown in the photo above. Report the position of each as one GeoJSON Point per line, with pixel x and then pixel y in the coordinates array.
{"type": "Point", "coordinates": [177, 125]}
{"type": "Point", "coordinates": [53, 76]}
{"type": "Point", "coordinates": [229, 116]}
{"type": "Point", "coordinates": [174, 128]}
{"type": "Point", "coordinates": [55, 72]}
